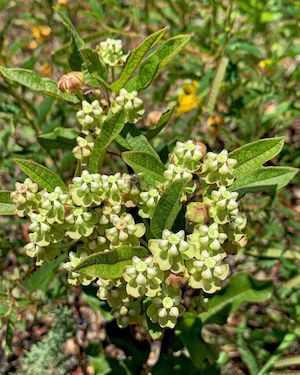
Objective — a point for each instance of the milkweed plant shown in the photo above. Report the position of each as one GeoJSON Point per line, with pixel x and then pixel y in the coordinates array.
{"type": "Point", "coordinates": [162, 231]}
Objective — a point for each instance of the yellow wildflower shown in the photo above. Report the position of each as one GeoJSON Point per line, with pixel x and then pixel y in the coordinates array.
{"type": "Point", "coordinates": [188, 99]}
{"type": "Point", "coordinates": [46, 69]}
{"type": "Point", "coordinates": [213, 123]}
{"type": "Point", "coordinates": [32, 44]}
{"type": "Point", "coordinates": [41, 32]}
{"type": "Point", "coordinates": [62, 2]}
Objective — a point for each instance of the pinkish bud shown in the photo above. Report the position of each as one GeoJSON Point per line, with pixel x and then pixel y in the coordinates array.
{"type": "Point", "coordinates": [176, 281]}
{"type": "Point", "coordinates": [70, 82]}
{"type": "Point", "coordinates": [203, 147]}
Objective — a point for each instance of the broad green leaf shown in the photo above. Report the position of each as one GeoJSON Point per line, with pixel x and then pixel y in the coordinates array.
{"type": "Point", "coordinates": [60, 138]}
{"type": "Point", "coordinates": [253, 155]}
{"type": "Point", "coordinates": [110, 264]}
{"type": "Point", "coordinates": [41, 175]}
{"type": "Point", "coordinates": [273, 253]}
{"type": "Point", "coordinates": [150, 67]}
{"type": "Point", "coordinates": [41, 278]}
{"type": "Point", "coordinates": [94, 65]}
{"type": "Point", "coordinates": [110, 129]}
{"type": "Point", "coordinates": [7, 207]}
{"type": "Point", "coordinates": [70, 27]}
{"type": "Point", "coordinates": [264, 179]}
{"type": "Point", "coordinates": [100, 364]}
{"type": "Point", "coordinates": [216, 85]}
{"type": "Point", "coordinates": [168, 207]}
{"type": "Point", "coordinates": [162, 123]}
{"type": "Point", "coordinates": [34, 82]}
{"type": "Point", "coordinates": [241, 288]}
{"type": "Point", "coordinates": [189, 331]}
{"type": "Point", "coordinates": [140, 143]}
{"type": "Point", "coordinates": [146, 163]}
{"type": "Point", "coordinates": [74, 57]}
{"type": "Point", "coordinates": [135, 59]}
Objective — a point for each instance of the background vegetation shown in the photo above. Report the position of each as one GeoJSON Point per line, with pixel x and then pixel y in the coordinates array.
{"type": "Point", "coordinates": [49, 327]}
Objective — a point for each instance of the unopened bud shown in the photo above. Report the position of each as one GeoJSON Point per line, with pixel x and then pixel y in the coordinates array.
{"type": "Point", "coordinates": [71, 82]}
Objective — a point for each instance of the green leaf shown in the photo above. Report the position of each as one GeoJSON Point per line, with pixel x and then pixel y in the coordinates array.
{"type": "Point", "coordinates": [156, 61]}
{"type": "Point", "coordinates": [189, 331]}
{"type": "Point", "coordinates": [41, 278]}
{"type": "Point", "coordinates": [140, 143]}
{"type": "Point", "coordinates": [110, 264]}
{"type": "Point", "coordinates": [241, 288]}
{"type": "Point", "coordinates": [146, 163]}
{"type": "Point", "coordinates": [162, 123]}
{"type": "Point", "coordinates": [110, 129]}
{"type": "Point", "coordinates": [94, 65]}
{"type": "Point", "coordinates": [168, 207]}
{"type": "Point", "coordinates": [60, 138]}
{"type": "Point", "coordinates": [273, 253]}
{"type": "Point", "coordinates": [70, 27]}
{"type": "Point", "coordinates": [7, 207]}
{"type": "Point", "coordinates": [264, 179]}
{"type": "Point", "coordinates": [34, 82]}
{"type": "Point", "coordinates": [100, 364]}
{"type": "Point", "coordinates": [135, 59]}
{"type": "Point", "coordinates": [10, 327]}
{"type": "Point", "coordinates": [216, 85]}
{"type": "Point", "coordinates": [247, 355]}
{"type": "Point", "coordinates": [253, 155]}
{"type": "Point", "coordinates": [41, 175]}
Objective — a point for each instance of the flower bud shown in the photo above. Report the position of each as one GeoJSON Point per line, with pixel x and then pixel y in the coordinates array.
{"type": "Point", "coordinates": [197, 212]}
{"type": "Point", "coordinates": [71, 82]}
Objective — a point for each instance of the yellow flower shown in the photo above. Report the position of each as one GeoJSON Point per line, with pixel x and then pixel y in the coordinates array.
{"type": "Point", "coordinates": [32, 44]}
{"type": "Point", "coordinates": [46, 69]}
{"type": "Point", "coordinates": [40, 32]}
{"type": "Point", "coordinates": [265, 65]}
{"type": "Point", "coordinates": [188, 99]}
{"type": "Point", "coordinates": [62, 2]}
{"type": "Point", "coordinates": [213, 123]}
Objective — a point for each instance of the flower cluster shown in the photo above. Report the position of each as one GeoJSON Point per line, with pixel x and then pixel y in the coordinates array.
{"type": "Point", "coordinates": [109, 214]}
{"type": "Point", "coordinates": [111, 52]}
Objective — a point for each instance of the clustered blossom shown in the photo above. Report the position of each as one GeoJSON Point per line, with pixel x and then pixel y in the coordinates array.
{"type": "Point", "coordinates": [98, 213]}
{"type": "Point", "coordinates": [111, 52]}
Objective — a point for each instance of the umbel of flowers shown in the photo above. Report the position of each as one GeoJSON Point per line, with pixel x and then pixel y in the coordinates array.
{"type": "Point", "coordinates": [102, 213]}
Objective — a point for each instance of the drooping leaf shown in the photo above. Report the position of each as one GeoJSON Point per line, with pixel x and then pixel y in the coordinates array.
{"type": "Point", "coordinates": [110, 129]}
{"type": "Point", "coordinates": [7, 207]}
{"type": "Point", "coordinates": [253, 155]}
{"type": "Point", "coordinates": [189, 331]}
{"type": "Point", "coordinates": [264, 179]}
{"type": "Point", "coordinates": [34, 82]}
{"type": "Point", "coordinates": [41, 175]}
{"type": "Point", "coordinates": [150, 67]}
{"type": "Point", "coordinates": [216, 85]}
{"type": "Point", "coordinates": [110, 264]}
{"type": "Point", "coordinates": [135, 59]}
{"type": "Point", "coordinates": [41, 278]}
{"type": "Point", "coordinates": [168, 207]}
{"type": "Point", "coordinates": [146, 163]}
{"type": "Point", "coordinates": [60, 138]}
{"type": "Point", "coordinates": [241, 288]}
{"type": "Point", "coordinates": [162, 123]}
{"type": "Point", "coordinates": [140, 143]}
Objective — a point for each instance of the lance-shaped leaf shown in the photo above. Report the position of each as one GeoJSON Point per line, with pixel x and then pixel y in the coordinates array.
{"type": "Point", "coordinates": [216, 85]}
{"type": "Point", "coordinates": [60, 138]}
{"type": "Point", "coordinates": [168, 207]}
{"type": "Point", "coordinates": [41, 175]}
{"type": "Point", "coordinates": [110, 264]}
{"type": "Point", "coordinates": [241, 288]}
{"type": "Point", "coordinates": [253, 155]}
{"type": "Point", "coordinates": [140, 143]}
{"type": "Point", "coordinates": [70, 27]}
{"type": "Point", "coordinates": [135, 59]}
{"type": "Point", "coordinates": [156, 61]}
{"type": "Point", "coordinates": [264, 179]}
{"type": "Point", "coordinates": [94, 65]}
{"type": "Point", "coordinates": [146, 163]}
{"type": "Point", "coordinates": [34, 82]}
{"type": "Point", "coordinates": [162, 123]}
{"type": "Point", "coordinates": [7, 207]}
{"type": "Point", "coordinates": [110, 129]}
